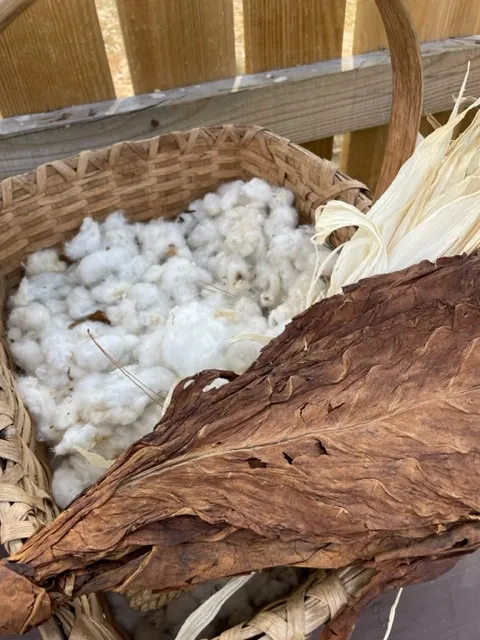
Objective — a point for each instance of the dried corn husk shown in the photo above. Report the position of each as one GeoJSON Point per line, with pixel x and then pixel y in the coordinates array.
{"type": "Point", "coordinates": [432, 209]}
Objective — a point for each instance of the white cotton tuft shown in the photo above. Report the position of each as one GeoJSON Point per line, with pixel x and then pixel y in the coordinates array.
{"type": "Point", "coordinates": [281, 220]}
{"type": "Point", "coordinates": [58, 347]}
{"type": "Point", "coordinates": [41, 287]}
{"type": "Point", "coordinates": [87, 241]}
{"type": "Point", "coordinates": [40, 403]}
{"type": "Point", "coordinates": [160, 238]}
{"type": "Point", "coordinates": [80, 303]}
{"type": "Point", "coordinates": [186, 222]}
{"type": "Point", "coordinates": [154, 273]}
{"type": "Point", "coordinates": [194, 339]}
{"type": "Point", "coordinates": [52, 378]}
{"type": "Point", "coordinates": [90, 357]}
{"type": "Point", "coordinates": [124, 314]}
{"type": "Point", "coordinates": [241, 354]}
{"type": "Point", "coordinates": [81, 435]}
{"type": "Point", "coordinates": [14, 334]}
{"type": "Point", "coordinates": [145, 294]}
{"type": "Point", "coordinates": [282, 196]}
{"type": "Point", "coordinates": [98, 265]}
{"type": "Point", "coordinates": [65, 414]}
{"type": "Point", "coordinates": [181, 278]}
{"type": "Point", "coordinates": [45, 261]}
{"type": "Point", "coordinates": [34, 317]}
{"type": "Point", "coordinates": [111, 290]}
{"type": "Point", "coordinates": [257, 191]}
{"type": "Point", "coordinates": [114, 221]}
{"type": "Point", "coordinates": [232, 270]}
{"type": "Point", "coordinates": [28, 354]}
{"type": "Point", "coordinates": [134, 269]}
{"type": "Point", "coordinates": [243, 231]}
{"type": "Point", "coordinates": [230, 194]}
{"type": "Point", "coordinates": [213, 204]}
{"type": "Point", "coordinates": [66, 485]}
{"type": "Point", "coordinates": [205, 232]}
{"type": "Point", "coordinates": [149, 349]}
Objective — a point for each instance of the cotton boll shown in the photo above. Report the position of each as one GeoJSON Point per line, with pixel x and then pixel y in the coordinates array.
{"type": "Point", "coordinates": [55, 306]}
{"type": "Point", "coordinates": [90, 357]}
{"type": "Point", "coordinates": [257, 191]}
{"type": "Point", "coordinates": [134, 269]}
{"type": "Point", "coordinates": [180, 278]}
{"type": "Point", "coordinates": [243, 230]}
{"type": "Point", "coordinates": [212, 204]}
{"type": "Point", "coordinates": [111, 290]}
{"type": "Point", "coordinates": [42, 287]}
{"type": "Point", "coordinates": [58, 347]}
{"type": "Point", "coordinates": [98, 265]}
{"type": "Point", "coordinates": [186, 222]}
{"type": "Point", "coordinates": [281, 220]}
{"type": "Point", "coordinates": [247, 307]}
{"type": "Point", "coordinates": [34, 317]}
{"type": "Point", "coordinates": [149, 350]}
{"type": "Point", "coordinates": [40, 403]}
{"type": "Point", "coordinates": [115, 221]}
{"type": "Point", "coordinates": [52, 378]}
{"type": "Point", "coordinates": [308, 260]}
{"type": "Point", "coordinates": [66, 485]}
{"type": "Point", "coordinates": [154, 273]}
{"type": "Point", "coordinates": [205, 232]}
{"type": "Point", "coordinates": [46, 261]}
{"type": "Point", "coordinates": [203, 255]}
{"type": "Point", "coordinates": [80, 303]}
{"type": "Point", "coordinates": [269, 284]}
{"type": "Point", "coordinates": [81, 435]}
{"type": "Point", "coordinates": [144, 294]}
{"type": "Point", "coordinates": [297, 297]}
{"type": "Point", "coordinates": [65, 414]}
{"type": "Point", "coordinates": [230, 194]}
{"type": "Point", "coordinates": [28, 354]}
{"type": "Point", "coordinates": [232, 270]}
{"type": "Point", "coordinates": [160, 238]}
{"type": "Point", "coordinates": [14, 334]}
{"type": "Point", "coordinates": [240, 355]}
{"type": "Point", "coordinates": [281, 315]}
{"type": "Point", "coordinates": [60, 321]}
{"type": "Point", "coordinates": [282, 196]}
{"type": "Point", "coordinates": [122, 237]}
{"type": "Point", "coordinates": [194, 339]}
{"type": "Point", "coordinates": [87, 241]}
{"type": "Point", "coordinates": [124, 314]}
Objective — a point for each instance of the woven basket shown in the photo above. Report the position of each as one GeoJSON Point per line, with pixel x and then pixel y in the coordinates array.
{"type": "Point", "coordinates": [147, 179]}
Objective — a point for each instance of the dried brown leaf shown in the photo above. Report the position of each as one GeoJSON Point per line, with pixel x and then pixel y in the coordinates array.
{"type": "Point", "coordinates": [353, 438]}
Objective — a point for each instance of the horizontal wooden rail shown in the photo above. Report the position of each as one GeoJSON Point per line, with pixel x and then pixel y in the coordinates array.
{"type": "Point", "coordinates": [301, 103]}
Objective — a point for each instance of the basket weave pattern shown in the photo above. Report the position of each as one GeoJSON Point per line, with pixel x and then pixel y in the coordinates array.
{"type": "Point", "coordinates": [147, 179]}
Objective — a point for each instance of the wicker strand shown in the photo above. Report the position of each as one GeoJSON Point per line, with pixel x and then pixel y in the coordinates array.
{"type": "Point", "coordinates": [318, 601]}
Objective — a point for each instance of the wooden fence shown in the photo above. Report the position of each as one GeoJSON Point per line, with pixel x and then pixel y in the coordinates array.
{"type": "Point", "coordinates": [308, 69]}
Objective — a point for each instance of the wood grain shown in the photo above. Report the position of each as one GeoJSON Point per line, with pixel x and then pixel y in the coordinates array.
{"type": "Point", "coordinates": [175, 43]}
{"type": "Point", "coordinates": [53, 56]}
{"type": "Point", "coordinates": [281, 33]}
{"type": "Point", "coordinates": [357, 94]}
{"type": "Point", "coordinates": [11, 9]}
{"type": "Point", "coordinates": [363, 151]}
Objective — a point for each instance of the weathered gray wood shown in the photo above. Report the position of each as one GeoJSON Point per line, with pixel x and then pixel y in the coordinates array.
{"type": "Point", "coordinates": [301, 103]}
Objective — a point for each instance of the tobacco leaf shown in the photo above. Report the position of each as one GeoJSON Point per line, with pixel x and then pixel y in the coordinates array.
{"type": "Point", "coordinates": [353, 438]}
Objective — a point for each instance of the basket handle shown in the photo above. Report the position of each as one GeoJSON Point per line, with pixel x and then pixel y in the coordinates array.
{"type": "Point", "coordinates": [407, 105]}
